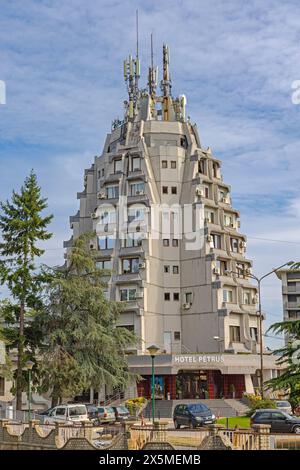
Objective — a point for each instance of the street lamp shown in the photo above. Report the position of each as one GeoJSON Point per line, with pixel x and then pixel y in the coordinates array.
{"type": "Point", "coordinates": [219, 340]}
{"type": "Point", "coordinates": [153, 350]}
{"type": "Point", "coordinates": [258, 280]}
{"type": "Point", "coordinates": [29, 366]}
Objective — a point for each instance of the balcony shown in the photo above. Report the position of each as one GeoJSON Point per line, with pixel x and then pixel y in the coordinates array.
{"type": "Point", "coordinates": [131, 250]}
{"type": "Point", "coordinates": [128, 278]}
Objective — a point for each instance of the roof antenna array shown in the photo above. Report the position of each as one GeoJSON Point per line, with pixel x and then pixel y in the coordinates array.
{"type": "Point", "coordinates": [152, 74]}
{"type": "Point", "coordinates": [131, 76]}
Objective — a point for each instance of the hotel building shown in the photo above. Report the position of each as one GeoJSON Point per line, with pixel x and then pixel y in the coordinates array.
{"type": "Point", "coordinates": [183, 288]}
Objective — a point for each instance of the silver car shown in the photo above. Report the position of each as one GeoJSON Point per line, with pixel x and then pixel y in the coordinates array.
{"type": "Point", "coordinates": [106, 414]}
{"type": "Point", "coordinates": [284, 405]}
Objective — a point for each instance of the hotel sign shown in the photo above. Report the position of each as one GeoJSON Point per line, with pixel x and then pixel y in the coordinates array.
{"type": "Point", "coordinates": [199, 359]}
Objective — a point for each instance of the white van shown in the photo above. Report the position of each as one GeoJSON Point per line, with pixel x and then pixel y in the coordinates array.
{"type": "Point", "coordinates": [68, 414]}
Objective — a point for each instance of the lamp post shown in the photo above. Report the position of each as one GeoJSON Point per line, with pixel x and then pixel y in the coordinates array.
{"type": "Point", "coordinates": [29, 366]}
{"type": "Point", "coordinates": [153, 350]}
{"type": "Point", "coordinates": [258, 280]}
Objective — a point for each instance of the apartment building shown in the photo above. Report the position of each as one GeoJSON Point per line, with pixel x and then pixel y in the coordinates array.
{"type": "Point", "coordinates": [166, 228]}
{"type": "Point", "coordinates": [290, 281]}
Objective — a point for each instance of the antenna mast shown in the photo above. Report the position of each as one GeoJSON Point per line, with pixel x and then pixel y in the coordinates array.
{"type": "Point", "coordinates": [152, 74]}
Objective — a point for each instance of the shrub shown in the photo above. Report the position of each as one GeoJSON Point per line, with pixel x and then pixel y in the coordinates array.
{"type": "Point", "coordinates": [261, 404]}
{"type": "Point", "coordinates": [135, 404]}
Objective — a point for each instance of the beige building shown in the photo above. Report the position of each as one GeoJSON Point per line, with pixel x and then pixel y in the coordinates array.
{"type": "Point", "coordinates": [167, 229]}
{"type": "Point", "coordinates": [290, 281]}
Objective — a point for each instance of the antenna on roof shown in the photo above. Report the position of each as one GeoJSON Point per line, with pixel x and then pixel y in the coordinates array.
{"type": "Point", "coordinates": [137, 32]}
{"type": "Point", "coordinates": [137, 71]}
{"type": "Point", "coordinates": [153, 73]}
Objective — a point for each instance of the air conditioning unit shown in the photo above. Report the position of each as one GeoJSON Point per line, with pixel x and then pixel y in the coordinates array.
{"type": "Point", "coordinates": [139, 295]}
{"type": "Point", "coordinates": [225, 200]}
{"type": "Point", "coordinates": [199, 191]}
{"type": "Point", "coordinates": [94, 215]}
{"type": "Point", "coordinates": [216, 271]}
{"type": "Point", "coordinates": [139, 193]}
{"type": "Point", "coordinates": [102, 195]}
{"type": "Point", "coordinates": [186, 306]}
{"type": "Point", "coordinates": [142, 265]}
{"type": "Point", "coordinates": [238, 223]}
{"type": "Point", "coordinates": [243, 244]}
{"type": "Point", "coordinates": [254, 300]}
{"type": "Point", "coordinates": [209, 238]}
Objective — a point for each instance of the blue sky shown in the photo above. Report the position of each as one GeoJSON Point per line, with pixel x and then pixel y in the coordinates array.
{"type": "Point", "coordinates": [234, 60]}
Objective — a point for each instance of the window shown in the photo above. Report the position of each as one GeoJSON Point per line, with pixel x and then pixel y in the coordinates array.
{"type": "Point", "coordinates": [130, 265]}
{"type": "Point", "coordinates": [106, 242]}
{"type": "Point", "coordinates": [108, 216]}
{"type": "Point", "coordinates": [102, 171]}
{"type": "Point", "coordinates": [235, 334]}
{"type": "Point", "coordinates": [127, 294]}
{"type": "Point", "coordinates": [253, 333]}
{"type": "Point", "coordinates": [234, 245]}
{"type": "Point", "coordinates": [136, 214]}
{"type": "Point", "coordinates": [227, 295]}
{"type": "Point", "coordinates": [216, 170]}
{"type": "Point", "coordinates": [223, 195]}
{"type": "Point", "coordinates": [173, 164]}
{"type": "Point", "coordinates": [175, 269]}
{"type": "Point", "coordinates": [99, 174]}
{"type": "Point", "coordinates": [222, 266]}
{"type": "Point", "coordinates": [166, 269]}
{"type": "Point", "coordinates": [201, 166]}
{"type": "Point", "coordinates": [189, 297]}
{"type": "Point", "coordinates": [247, 297]}
{"type": "Point", "coordinates": [174, 190]}
{"type": "Point", "coordinates": [128, 327]}
{"type": "Point", "coordinates": [167, 295]}
{"type": "Point", "coordinates": [135, 164]}
{"type": "Point", "coordinates": [216, 240]}
{"type": "Point", "coordinates": [164, 164]}
{"type": "Point", "coordinates": [106, 294]}
{"type": "Point", "coordinates": [176, 296]}
{"type": "Point", "coordinates": [112, 192]}
{"type": "Point", "coordinates": [183, 142]}
{"type": "Point", "coordinates": [2, 386]}
{"type": "Point", "coordinates": [137, 189]}
{"type": "Point", "coordinates": [176, 335]}
{"type": "Point", "coordinates": [228, 220]}
{"type": "Point", "coordinates": [133, 239]}
{"type": "Point", "coordinates": [165, 189]}
{"type": "Point", "coordinates": [60, 411]}
{"type": "Point", "coordinates": [206, 191]}
{"type": "Point", "coordinates": [166, 242]}
{"type": "Point", "coordinates": [118, 166]}
{"type": "Point", "coordinates": [241, 268]}
{"type": "Point", "coordinates": [104, 264]}
{"type": "Point", "coordinates": [210, 217]}
{"type": "Point", "coordinates": [175, 242]}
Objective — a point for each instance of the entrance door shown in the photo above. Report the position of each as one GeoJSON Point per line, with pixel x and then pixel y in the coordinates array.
{"type": "Point", "coordinates": [191, 384]}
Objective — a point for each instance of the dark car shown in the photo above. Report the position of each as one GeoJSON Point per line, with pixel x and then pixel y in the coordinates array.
{"type": "Point", "coordinates": [280, 421]}
{"type": "Point", "coordinates": [192, 415]}
{"type": "Point", "coordinates": [121, 413]}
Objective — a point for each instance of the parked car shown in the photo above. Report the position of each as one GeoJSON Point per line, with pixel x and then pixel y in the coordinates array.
{"type": "Point", "coordinates": [68, 414]}
{"type": "Point", "coordinates": [192, 415]}
{"type": "Point", "coordinates": [101, 414]}
{"type": "Point", "coordinates": [280, 421]}
{"type": "Point", "coordinates": [284, 405]}
{"type": "Point", "coordinates": [121, 413]}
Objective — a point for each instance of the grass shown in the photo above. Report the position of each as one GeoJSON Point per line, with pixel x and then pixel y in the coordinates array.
{"type": "Point", "coordinates": [235, 421]}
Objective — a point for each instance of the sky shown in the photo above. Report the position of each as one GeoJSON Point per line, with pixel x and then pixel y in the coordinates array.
{"type": "Point", "coordinates": [235, 61]}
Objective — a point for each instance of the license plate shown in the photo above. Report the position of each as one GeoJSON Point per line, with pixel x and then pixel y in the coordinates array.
{"type": "Point", "coordinates": [208, 422]}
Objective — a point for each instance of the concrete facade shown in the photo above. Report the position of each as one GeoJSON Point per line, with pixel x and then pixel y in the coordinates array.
{"type": "Point", "coordinates": [290, 282]}
{"type": "Point", "coordinates": [183, 296]}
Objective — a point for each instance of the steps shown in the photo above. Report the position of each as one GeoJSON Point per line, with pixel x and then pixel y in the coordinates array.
{"type": "Point", "coordinates": [219, 407]}
{"type": "Point", "coordinates": [240, 407]}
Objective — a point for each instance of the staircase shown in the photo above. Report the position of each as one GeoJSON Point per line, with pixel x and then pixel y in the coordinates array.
{"type": "Point", "coordinates": [240, 407]}
{"type": "Point", "coordinates": [219, 407]}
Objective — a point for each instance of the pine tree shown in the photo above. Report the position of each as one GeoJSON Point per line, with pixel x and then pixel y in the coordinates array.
{"type": "Point", "coordinates": [289, 355]}
{"type": "Point", "coordinates": [81, 343]}
{"type": "Point", "coordinates": [22, 227]}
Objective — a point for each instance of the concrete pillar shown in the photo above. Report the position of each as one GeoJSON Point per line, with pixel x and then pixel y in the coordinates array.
{"type": "Point", "coordinates": [263, 431]}
{"type": "Point", "coordinates": [91, 394]}
{"type": "Point", "coordinates": [248, 384]}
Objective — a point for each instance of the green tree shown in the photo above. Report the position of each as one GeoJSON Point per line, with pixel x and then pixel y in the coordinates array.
{"type": "Point", "coordinates": [81, 344]}
{"type": "Point", "coordinates": [289, 355]}
{"type": "Point", "coordinates": [22, 227]}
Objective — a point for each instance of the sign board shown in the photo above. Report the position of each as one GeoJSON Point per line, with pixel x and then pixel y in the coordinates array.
{"type": "Point", "coordinates": [198, 359]}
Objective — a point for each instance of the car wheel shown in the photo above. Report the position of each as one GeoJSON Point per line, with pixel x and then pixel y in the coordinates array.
{"type": "Point", "coordinates": [296, 429]}
{"type": "Point", "coordinates": [176, 424]}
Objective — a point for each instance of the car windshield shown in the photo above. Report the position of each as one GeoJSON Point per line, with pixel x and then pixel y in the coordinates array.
{"type": "Point", "coordinates": [282, 404]}
{"type": "Point", "coordinates": [197, 408]}
{"type": "Point", "coordinates": [109, 409]}
{"type": "Point", "coordinates": [122, 409]}
{"type": "Point", "coordinates": [77, 410]}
